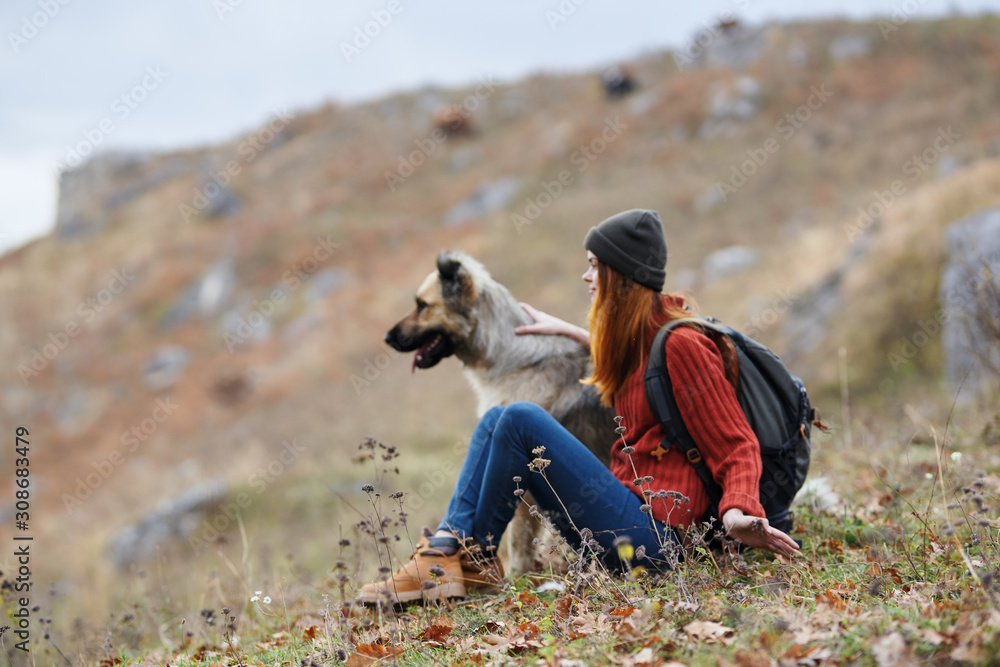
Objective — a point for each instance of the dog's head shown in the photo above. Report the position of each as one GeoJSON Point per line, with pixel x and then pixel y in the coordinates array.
{"type": "Point", "coordinates": [444, 319]}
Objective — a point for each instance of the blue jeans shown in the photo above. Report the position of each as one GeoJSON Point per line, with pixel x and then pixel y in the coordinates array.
{"type": "Point", "coordinates": [583, 491]}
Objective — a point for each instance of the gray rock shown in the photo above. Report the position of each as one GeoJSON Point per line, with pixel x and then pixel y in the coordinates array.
{"type": "Point", "coordinates": [174, 166]}
{"type": "Point", "coordinates": [164, 368]}
{"type": "Point", "coordinates": [172, 518]}
{"type": "Point", "coordinates": [205, 296]}
{"type": "Point", "coordinates": [489, 197]}
{"type": "Point", "coordinates": [729, 261]}
{"type": "Point", "coordinates": [221, 201]}
{"type": "Point", "coordinates": [248, 324]}
{"type": "Point", "coordinates": [850, 46]}
{"type": "Point", "coordinates": [82, 191]}
{"type": "Point", "coordinates": [970, 300]}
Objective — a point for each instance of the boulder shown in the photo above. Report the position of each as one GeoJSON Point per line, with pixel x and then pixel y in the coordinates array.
{"type": "Point", "coordinates": [970, 301]}
{"type": "Point", "coordinates": [172, 518]}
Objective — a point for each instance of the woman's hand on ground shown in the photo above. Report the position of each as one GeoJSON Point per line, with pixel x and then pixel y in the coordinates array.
{"type": "Point", "coordinates": [550, 325]}
{"type": "Point", "coordinates": [756, 532]}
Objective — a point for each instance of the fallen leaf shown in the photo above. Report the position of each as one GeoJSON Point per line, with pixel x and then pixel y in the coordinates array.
{"type": "Point", "coordinates": [756, 658]}
{"type": "Point", "coordinates": [967, 653]}
{"type": "Point", "coordinates": [646, 656]}
{"type": "Point", "coordinates": [436, 634]}
{"type": "Point", "coordinates": [623, 611]}
{"type": "Point", "coordinates": [889, 650]}
{"type": "Point", "coordinates": [709, 632]}
{"type": "Point", "coordinates": [832, 545]}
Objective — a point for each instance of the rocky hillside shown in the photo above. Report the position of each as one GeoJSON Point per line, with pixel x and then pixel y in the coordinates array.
{"type": "Point", "coordinates": [217, 314]}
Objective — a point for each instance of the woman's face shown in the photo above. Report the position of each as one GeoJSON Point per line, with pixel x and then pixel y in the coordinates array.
{"type": "Point", "coordinates": [590, 275]}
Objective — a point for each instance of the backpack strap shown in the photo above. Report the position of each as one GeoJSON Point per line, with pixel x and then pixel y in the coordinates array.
{"type": "Point", "coordinates": [660, 396]}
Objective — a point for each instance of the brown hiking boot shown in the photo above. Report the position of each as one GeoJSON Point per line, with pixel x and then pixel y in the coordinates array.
{"type": "Point", "coordinates": [429, 575]}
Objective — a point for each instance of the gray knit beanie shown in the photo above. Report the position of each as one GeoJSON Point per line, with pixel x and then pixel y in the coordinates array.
{"type": "Point", "coordinates": [632, 244]}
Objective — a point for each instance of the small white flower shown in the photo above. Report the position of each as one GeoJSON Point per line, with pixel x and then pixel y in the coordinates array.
{"type": "Point", "coordinates": [267, 599]}
{"type": "Point", "coordinates": [929, 475]}
{"type": "Point", "coordinates": [956, 457]}
{"type": "Point", "coordinates": [255, 598]}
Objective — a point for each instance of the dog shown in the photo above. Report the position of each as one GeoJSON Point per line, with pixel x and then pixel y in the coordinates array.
{"type": "Point", "coordinates": [462, 311]}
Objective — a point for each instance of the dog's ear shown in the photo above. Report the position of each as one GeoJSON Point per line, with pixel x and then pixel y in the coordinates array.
{"type": "Point", "coordinates": [448, 267]}
{"type": "Point", "coordinates": [454, 277]}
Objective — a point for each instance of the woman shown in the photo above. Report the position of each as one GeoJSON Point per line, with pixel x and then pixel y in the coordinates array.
{"type": "Point", "coordinates": [626, 255]}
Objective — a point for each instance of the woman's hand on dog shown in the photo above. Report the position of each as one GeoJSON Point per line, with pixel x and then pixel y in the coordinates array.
{"type": "Point", "coordinates": [550, 325]}
{"type": "Point", "coordinates": [756, 532]}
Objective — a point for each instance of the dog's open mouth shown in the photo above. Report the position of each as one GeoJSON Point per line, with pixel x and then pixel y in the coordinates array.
{"type": "Point", "coordinates": [436, 348]}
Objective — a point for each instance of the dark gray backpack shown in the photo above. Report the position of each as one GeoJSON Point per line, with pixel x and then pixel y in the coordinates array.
{"type": "Point", "coordinates": [775, 404]}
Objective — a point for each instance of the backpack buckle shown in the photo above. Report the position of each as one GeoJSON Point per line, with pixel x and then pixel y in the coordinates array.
{"type": "Point", "coordinates": [694, 456]}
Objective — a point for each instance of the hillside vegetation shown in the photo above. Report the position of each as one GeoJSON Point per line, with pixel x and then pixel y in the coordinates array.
{"type": "Point", "coordinates": [261, 274]}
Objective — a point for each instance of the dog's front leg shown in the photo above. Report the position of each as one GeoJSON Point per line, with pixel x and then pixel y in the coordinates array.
{"type": "Point", "coordinates": [521, 535]}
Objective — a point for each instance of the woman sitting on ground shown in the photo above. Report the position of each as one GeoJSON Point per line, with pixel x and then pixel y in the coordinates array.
{"type": "Point", "coordinates": [627, 257]}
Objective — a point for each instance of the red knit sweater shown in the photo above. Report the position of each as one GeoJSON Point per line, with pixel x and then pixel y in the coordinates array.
{"type": "Point", "coordinates": [708, 406]}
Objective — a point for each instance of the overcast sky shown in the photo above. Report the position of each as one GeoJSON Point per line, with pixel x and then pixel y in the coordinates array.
{"type": "Point", "coordinates": [207, 70]}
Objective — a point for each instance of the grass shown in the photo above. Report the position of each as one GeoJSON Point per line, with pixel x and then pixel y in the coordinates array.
{"type": "Point", "coordinates": [904, 567]}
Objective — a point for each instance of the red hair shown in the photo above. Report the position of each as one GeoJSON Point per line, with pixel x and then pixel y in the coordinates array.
{"type": "Point", "coordinates": [623, 319]}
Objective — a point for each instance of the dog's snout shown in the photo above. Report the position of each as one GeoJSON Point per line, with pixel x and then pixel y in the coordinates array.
{"type": "Point", "coordinates": [399, 341]}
